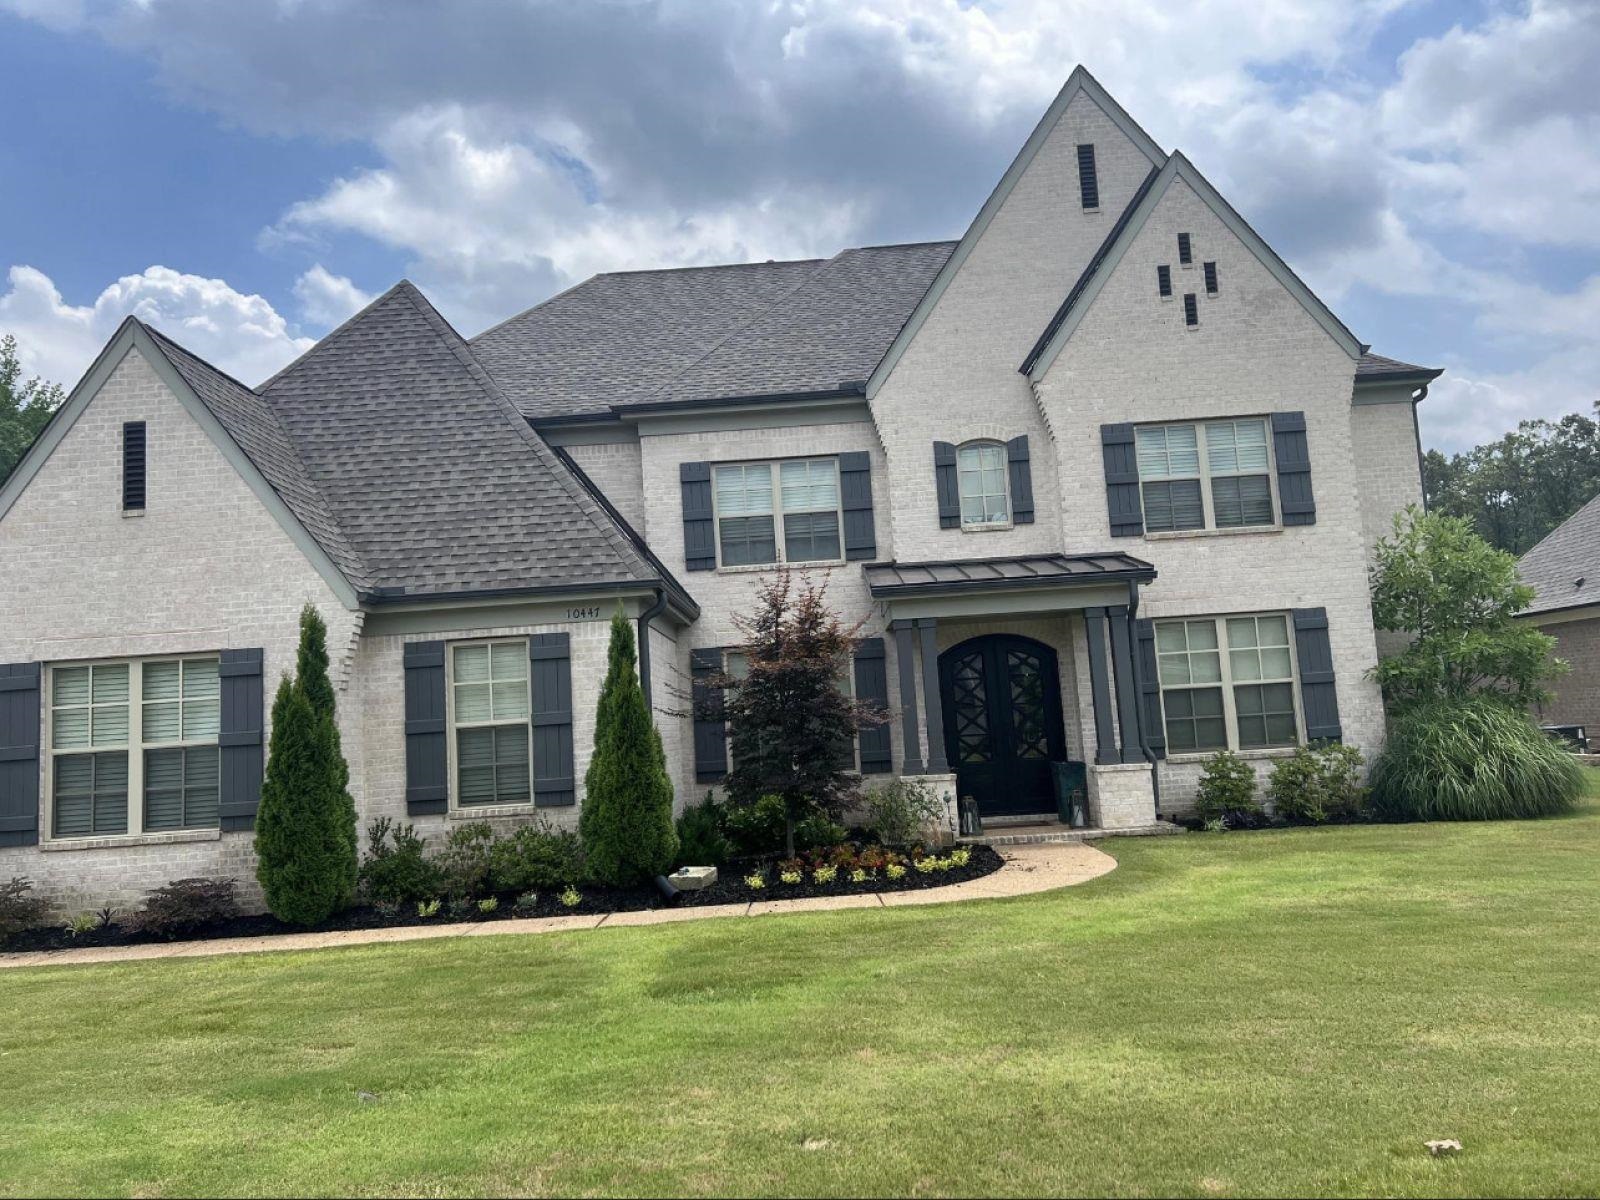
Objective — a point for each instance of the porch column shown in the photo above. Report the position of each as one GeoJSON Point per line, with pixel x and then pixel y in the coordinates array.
{"type": "Point", "coordinates": [1127, 689]}
{"type": "Point", "coordinates": [927, 637]}
{"type": "Point", "coordinates": [910, 730]}
{"type": "Point", "coordinates": [1094, 620]}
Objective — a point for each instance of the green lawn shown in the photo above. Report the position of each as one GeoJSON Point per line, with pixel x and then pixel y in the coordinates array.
{"type": "Point", "coordinates": [1257, 1013]}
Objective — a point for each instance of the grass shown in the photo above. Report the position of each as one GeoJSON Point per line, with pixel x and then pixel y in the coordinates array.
{"type": "Point", "coordinates": [1250, 1013]}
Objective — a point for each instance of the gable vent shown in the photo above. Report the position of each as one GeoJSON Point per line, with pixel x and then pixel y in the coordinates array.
{"type": "Point", "coordinates": [1088, 181]}
{"type": "Point", "coordinates": [1211, 279]}
{"type": "Point", "coordinates": [1164, 280]}
{"type": "Point", "coordinates": [1191, 310]}
{"type": "Point", "coordinates": [133, 465]}
{"type": "Point", "coordinates": [1185, 255]}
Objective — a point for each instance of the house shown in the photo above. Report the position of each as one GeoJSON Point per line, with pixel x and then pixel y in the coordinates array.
{"type": "Point", "coordinates": [1102, 476]}
{"type": "Point", "coordinates": [1564, 571]}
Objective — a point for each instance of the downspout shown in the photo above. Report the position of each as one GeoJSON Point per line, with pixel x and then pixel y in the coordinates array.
{"type": "Point", "coordinates": [1144, 741]}
{"type": "Point", "coordinates": [1416, 430]}
{"type": "Point", "coordinates": [648, 615]}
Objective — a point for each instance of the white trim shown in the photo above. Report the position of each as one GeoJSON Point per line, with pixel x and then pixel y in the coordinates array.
{"type": "Point", "coordinates": [779, 549]}
{"type": "Point", "coordinates": [1005, 485]}
{"type": "Point", "coordinates": [1205, 477]}
{"type": "Point", "coordinates": [452, 788]}
{"type": "Point", "coordinates": [1230, 714]}
{"type": "Point", "coordinates": [1080, 81]}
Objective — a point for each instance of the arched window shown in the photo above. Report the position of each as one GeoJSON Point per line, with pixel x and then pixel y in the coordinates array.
{"type": "Point", "coordinates": [981, 470]}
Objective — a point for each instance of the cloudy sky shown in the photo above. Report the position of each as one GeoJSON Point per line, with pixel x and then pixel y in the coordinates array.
{"type": "Point", "coordinates": [246, 174]}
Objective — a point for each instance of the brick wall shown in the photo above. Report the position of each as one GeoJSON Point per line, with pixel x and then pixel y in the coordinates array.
{"type": "Point", "coordinates": [615, 469]}
{"type": "Point", "coordinates": [1577, 695]}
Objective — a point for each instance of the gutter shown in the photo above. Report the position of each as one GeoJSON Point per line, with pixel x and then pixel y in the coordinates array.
{"type": "Point", "coordinates": [648, 615]}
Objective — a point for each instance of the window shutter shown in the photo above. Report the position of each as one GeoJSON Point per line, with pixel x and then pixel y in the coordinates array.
{"type": "Point", "coordinates": [1319, 694]}
{"type": "Point", "coordinates": [20, 721]}
{"type": "Point", "coordinates": [855, 489]}
{"type": "Point", "coordinates": [1122, 480]}
{"type": "Point", "coordinates": [872, 687]}
{"type": "Point", "coordinates": [947, 485]}
{"type": "Point", "coordinates": [239, 738]}
{"type": "Point", "coordinates": [1211, 278]}
{"type": "Point", "coordinates": [133, 465]}
{"type": "Point", "coordinates": [1155, 729]}
{"type": "Point", "coordinates": [1164, 281]}
{"type": "Point", "coordinates": [550, 672]}
{"type": "Point", "coordinates": [1021, 480]}
{"type": "Point", "coordinates": [1294, 468]}
{"type": "Point", "coordinates": [427, 765]}
{"type": "Point", "coordinates": [1191, 310]}
{"type": "Point", "coordinates": [1185, 254]}
{"type": "Point", "coordinates": [699, 527]}
{"type": "Point", "coordinates": [710, 730]}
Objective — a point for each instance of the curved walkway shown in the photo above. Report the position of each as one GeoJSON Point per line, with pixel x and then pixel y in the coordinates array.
{"type": "Point", "coordinates": [1027, 869]}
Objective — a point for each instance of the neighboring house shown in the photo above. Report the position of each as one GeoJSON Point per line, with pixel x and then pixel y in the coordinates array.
{"type": "Point", "coordinates": [1101, 477]}
{"type": "Point", "coordinates": [1564, 571]}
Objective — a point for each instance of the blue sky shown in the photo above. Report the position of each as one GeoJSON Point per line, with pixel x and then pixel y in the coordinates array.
{"type": "Point", "coordinates": [246, 174]}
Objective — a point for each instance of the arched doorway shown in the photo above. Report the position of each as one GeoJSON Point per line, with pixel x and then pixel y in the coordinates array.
{"type": "Point", "coordinates": [1002, 722]}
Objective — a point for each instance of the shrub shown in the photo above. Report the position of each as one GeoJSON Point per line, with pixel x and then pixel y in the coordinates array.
{"type": "Point", "coordinates": [488, 904]}
{"type": "Point", "coordinates": [81, 924]}
{"type": "Point", "coordinates": [185, 904]}
{"type": "Point", "coordinates": [464, 863]}
{"type": "Point", "coordinates": [627, 827]}
{"type": "Point", "coordinates": [824, 875]}
{"type": "Point", "coordinates": [1227, 788]}
{"type": "Point", "coordinates": [535, 856]}
{"type": "Point", "coordinates": [428, 908]}
{"type": "Point", "coordinates": [756, 828]}
{"type": "Point", "coordinates": [901, 811]}
{"type": "Point", "coordinates": [396, 870]}
{"type": "Point", "coordinates": [528, 902]}
{"type": "Point", "coordinates": [701, 842]}
{"type": "Point", "coordinates": [1472, 759]}
{"type": "Point", "coordinates": [790, 877]}
{"type": "Point", "coordinates": [19, 909]}
{"type": "Point", "coordinates": [755, 881]}
{"type": "Point", "coordinates": [570, 897]}
{"type": "Point", "coordinates": [818, 829]}
{"type": "Point", "coordinates": [895, 870]}
{"type": "Point", "coordinates": [1317, 783]}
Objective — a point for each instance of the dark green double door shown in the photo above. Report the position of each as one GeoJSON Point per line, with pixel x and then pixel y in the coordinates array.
{"type": "Point", "coordinates": [1002, 722]}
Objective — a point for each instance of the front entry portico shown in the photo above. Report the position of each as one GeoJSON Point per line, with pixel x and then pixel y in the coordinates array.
{"type": "Point", "coordinates": [1001, 696]}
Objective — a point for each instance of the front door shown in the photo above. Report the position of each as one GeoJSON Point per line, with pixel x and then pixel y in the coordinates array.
{"type": "Point", "coordinates": [1002, 722]}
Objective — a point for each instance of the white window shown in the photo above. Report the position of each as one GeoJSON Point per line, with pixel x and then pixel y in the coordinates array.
{"type": "Point", "coordinates": [981, 473]}
{"type": "Point", "coordinates": [489, 707]}
{"type": "Point", "coordinates": [1210, 475]}
{"type": "Point", "coordinates": [133, 747]}
{"type": "Point", "coordinates": [798, 521]}
{"type": "Point", "coordinates": [1227, 683]}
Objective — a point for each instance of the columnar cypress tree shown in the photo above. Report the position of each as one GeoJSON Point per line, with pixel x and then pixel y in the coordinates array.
{"type": "Point", "coordinates": [626, 821]}
{"type": "Point", "coordinates": [311, 665]}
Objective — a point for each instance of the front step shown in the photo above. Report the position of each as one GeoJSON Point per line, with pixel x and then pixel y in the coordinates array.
{"type": "Point", "coordinates": [1054, 833]}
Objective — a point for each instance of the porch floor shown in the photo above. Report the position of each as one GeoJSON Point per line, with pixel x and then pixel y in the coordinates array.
{"type": "Point", "coordinates": [1053, 832]}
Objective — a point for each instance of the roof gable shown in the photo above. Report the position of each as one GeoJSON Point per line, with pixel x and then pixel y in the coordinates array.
{"type": "Point", "coordinates": [1564, 568]}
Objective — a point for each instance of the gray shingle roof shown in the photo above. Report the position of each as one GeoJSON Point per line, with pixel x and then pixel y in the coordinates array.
{"type": "Point", "coordinates": [1565, 567]}
{"type": "Point", "coordinates": [641, 337]}
{"type": "Point", "coordinates": [1375, 368]}
{"type": "Point", "coordinates": [1001, 574]}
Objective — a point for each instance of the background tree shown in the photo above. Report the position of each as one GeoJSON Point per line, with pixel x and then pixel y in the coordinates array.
{"type": "Point", "coordinates": [626, 821]}
{"type": "Point", "coordinates": [1437, 580]}
{"type": "Point", "coordinates": [792, 723]}
{"type": "Point", "coordinates": [25, 406]}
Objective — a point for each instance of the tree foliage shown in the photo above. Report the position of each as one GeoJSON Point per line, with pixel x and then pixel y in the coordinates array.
{"type": "Point", "coordinates": [626, 822]}
{"type": "Point", "coordinates": [1439, 581]}
{"type": "Point", "coordinates": [1516, 490]}
{"type": "Point", "coordinates": [25, 406]}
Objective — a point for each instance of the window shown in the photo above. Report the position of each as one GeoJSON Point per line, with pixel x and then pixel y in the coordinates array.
{"type": "Point", "coordinates": [133, 466]}
{"type": "Point", "coordinates": [1164, 281]}
{"type": "Point", "coordinates": [981, 472]}
{"type": "Point", "coordinates": [133, 747]}
{"type": "Point", "coordinates": [1227, 683]}
{"type": "Point", "coordinates": [1088, 181]}
{"type": "Point", "coordinates": [1191, 310]}
{"type": "Point", "coordinates": [489, 707]}
{"type": "Point", "coordinates": [1185, 254]}
{"type": "Point", "coordinates": [801, 518]}
{"type": "Point", "coordinates": [1211, 475]}
{"type": "Point", "coordinates": [1211, 278]}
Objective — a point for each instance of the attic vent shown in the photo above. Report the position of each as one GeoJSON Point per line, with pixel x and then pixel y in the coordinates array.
{"type": "Point", "coordinates": [1191, 310]}
{"type": "Point", "coordinates": [1088, 182]}
{"type": "Point", "coordinates": [133, 466]}
{"type": "Point", "coordinates": [1211, 278]}
{"type": "Point", "coordinates": [1185, 256]}
{"type": "Point", "coordinates": [1164, 280]}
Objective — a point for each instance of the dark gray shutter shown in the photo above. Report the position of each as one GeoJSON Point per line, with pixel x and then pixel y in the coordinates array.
{"type": "Point", "coordinates": [1021, 480]}
{"type": "Point", "coordinates": [1319, 695]}
{"type": "Point", "coordinates": [239, 738]}
{"type": "Point", "coordinates": [1155, 730]}
{"type": "Point", "coordinates": [19, 754]}
{"type": "Point", "coordinates": [699, 528]}
{"type": "Point", "coordinates": [134, 467]}
{"type": "Point", "coordinates": [1294, 468]}
{"type": "Point", "coordinates": [1122, 480]}
{"type": "Point", "coordinates": [550, 668]}
{"type": "Point", "coordinates": [427, 769]}
{"type": "Point", "coordinates": [1088, 180]}
{"type": "Point", "coordinates": [855, 489]}
{"type": "Point", "coordinates": [947, 485]}
{"type": "Point", "coordinates": [872, 687]}
{"type": "Point", "coordinates": [710, 730]}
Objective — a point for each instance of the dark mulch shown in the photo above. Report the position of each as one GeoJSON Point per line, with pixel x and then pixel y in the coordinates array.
{"type": "Point", "coordinates": [730, 888]}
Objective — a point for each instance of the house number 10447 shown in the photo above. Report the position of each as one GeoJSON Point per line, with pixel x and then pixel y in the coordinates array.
{"type": "Point", "coordinates": [584, 614]}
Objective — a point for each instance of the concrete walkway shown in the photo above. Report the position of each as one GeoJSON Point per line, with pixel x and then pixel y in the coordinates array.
{"type": "Point", "coordinates": [1027, 869]}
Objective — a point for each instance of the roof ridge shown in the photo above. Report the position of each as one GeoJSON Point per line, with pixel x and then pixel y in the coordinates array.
{"type": "Point", "coordinates": [328, 338]}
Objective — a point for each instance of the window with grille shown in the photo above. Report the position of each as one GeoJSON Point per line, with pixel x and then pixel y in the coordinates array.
{"type": "Point", "coordinates": [1227, 683]}
{"type": "Point", "coordinates": [489, 711]}
{"type": "Point", "coordinates": [981, 473]}
{"type": "Point", "coordinates": [798, 520]}
{"type": "Point", "coordinates": [1207, 475]}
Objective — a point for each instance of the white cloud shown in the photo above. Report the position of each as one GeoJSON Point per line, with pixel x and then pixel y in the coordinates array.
{"type": "Point", "coordinates": [327, 299]}
{"type": "Point", "coordinates": [242, 334]}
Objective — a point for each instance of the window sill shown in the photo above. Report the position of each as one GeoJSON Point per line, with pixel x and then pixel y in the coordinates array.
{"type": "Point", "coordinates": [132, 512]}
{"type": "Point", "coordinates": [754, 568]}
{"type": "Point", "coordinates": [1173, 535]}
{"type": "Point", "coordinates": [489, 812]}
{"type": "Point", "coordinates": [120, 841]}
{"type": "Point", "coordinates": [987, 527]}
{"type": "Point", "coordinates": [1248, 755]}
